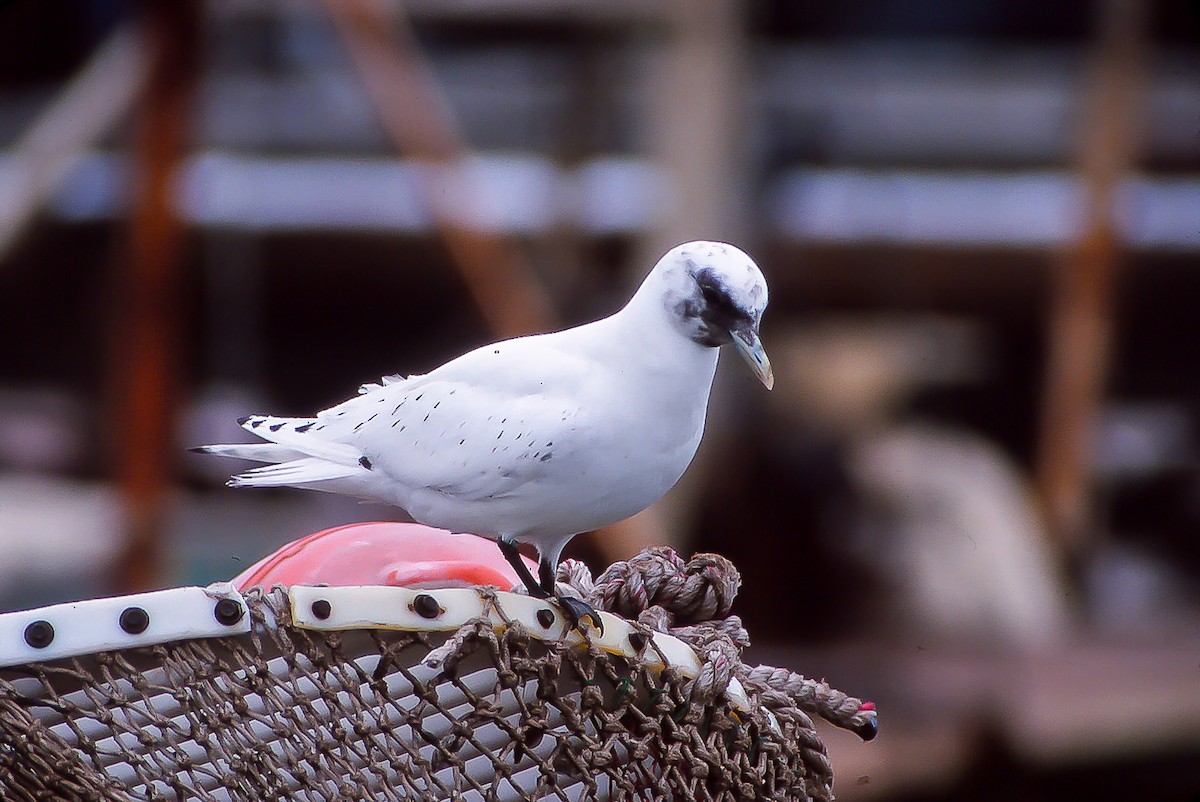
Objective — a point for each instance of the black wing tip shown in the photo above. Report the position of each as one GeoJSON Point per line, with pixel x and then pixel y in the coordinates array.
{"type": "Point", "coordinates": [198, 449]}
{"type": "Point", "coordinates": [242, 421]}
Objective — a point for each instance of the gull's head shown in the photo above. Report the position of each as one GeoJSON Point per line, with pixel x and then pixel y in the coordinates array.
{"type": "Point", "coordinates": [714, 294]}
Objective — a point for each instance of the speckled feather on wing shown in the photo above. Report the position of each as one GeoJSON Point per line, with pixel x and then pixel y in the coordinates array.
{"type": "Point", "coordinates": [465, 429]}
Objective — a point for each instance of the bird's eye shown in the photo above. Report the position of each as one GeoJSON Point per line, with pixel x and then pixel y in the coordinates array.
{"type": "Point", "coordinates": [712, 296]}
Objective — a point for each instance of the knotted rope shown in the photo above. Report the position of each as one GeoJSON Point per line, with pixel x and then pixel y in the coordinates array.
{"type": "Point", "coordinates": [691, 600]}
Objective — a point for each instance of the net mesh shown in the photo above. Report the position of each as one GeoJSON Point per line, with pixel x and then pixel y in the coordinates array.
{"type": "Point", "coordinates": [289, 713]}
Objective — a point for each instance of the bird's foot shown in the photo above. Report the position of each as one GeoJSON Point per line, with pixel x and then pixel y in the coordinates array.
{"type": "Point", "coordinates": [578, 613]}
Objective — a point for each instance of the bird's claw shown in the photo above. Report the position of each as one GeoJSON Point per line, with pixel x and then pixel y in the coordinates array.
{"type": "Point", "coordinates": [578, 613]}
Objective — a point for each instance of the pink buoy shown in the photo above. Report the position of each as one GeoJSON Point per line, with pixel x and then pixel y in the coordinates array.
{"type": "Point", "coordinates": [405, 554]}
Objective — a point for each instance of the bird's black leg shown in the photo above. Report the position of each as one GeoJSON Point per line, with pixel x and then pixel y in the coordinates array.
{"type": "Point", "coordinates": [576, 610]}
{"type": "Point", "coordinates": [513, 555]}
{"type": "Point", "coordinates": [546, 573]}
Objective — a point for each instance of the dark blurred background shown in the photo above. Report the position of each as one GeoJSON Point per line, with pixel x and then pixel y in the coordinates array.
{"type": "Point", "coordinates": [974, 495]}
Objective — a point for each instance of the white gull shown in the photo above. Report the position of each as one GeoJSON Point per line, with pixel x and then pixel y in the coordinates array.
{"type": "Point", "coordinates": [538, 438]}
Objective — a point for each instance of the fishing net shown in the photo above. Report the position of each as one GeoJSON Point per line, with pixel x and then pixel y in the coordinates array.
{"type": "Point", "coordinates": [321, 693]}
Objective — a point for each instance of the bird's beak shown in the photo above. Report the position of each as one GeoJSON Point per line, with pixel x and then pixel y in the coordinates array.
{"type": "Point", "coordinates": [745, 340]}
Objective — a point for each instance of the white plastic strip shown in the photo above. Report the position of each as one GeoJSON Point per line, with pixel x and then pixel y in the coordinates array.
{"type": "Point", "coordinates": [121, 622]}
{"type": "Point", "coordinates": [446, 609]}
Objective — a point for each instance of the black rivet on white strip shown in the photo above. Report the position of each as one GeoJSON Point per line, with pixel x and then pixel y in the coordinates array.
{"type": "Point", "coordinates": [228, 612]}
{"type": "Point", "coordinates": [426, 606]}
{"type": "Point", "coordinates": [545, 617]}
{"type": "Point", "coordinates": [134, 620]}
{"type": "Point", "coordinates": [39, 634]}
{"type": "Point", "coordinates": [322, 609]}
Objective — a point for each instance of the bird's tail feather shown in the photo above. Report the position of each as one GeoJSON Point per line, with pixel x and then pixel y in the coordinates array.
{"type": "Point", "coordinates": [303, 435]}
{"type": "Point", "coordinates": [301, 457]}
{"type": "Point", "coordinates": [295, 473]}
{"type": "Point", "coordinates": [259, 452]}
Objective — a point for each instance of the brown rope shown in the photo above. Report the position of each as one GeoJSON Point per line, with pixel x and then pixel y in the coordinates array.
{"type": "Point", "coordinates": [701, 589]}
{"type": "Point", "coordinates": [691, 600]}
{"type": "Point", "coordinates": [32, 757]}
{"type": "Point", "coordinates": [815, 696]}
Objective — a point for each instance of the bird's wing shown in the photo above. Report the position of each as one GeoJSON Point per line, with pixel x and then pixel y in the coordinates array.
{"type": "Point", "coordinates": [478, 427]}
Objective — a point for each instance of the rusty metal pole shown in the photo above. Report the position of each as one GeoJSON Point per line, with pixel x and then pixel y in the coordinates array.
{"type": "Point", "coordinates": [1081, 316]}
{"type": "Point", "coordinates": [419, 122]}
{"type": "Point", "coordinates": [146, 310]}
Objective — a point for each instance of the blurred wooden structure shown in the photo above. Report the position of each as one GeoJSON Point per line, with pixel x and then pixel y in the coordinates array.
{"type": "Point", "coordinates": [146, 315]}
{"type": "Point", "coordinates": [904, 179]}
{"type": "Point", "coordinates": [420, 124]}
{"type": "Point", "coordinates": [694, 118]}
{"type": "Point", "coordinates": [1081, 326]}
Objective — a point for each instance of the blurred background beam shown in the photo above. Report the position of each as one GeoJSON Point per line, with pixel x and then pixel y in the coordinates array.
{"type": "Point", "coordinates": [420, 123]}
{"type": "Point", "coordinates": [147, 304]}
{"type": "Point", "coordinates": [83, 112]}
{"type": "Point", "coordinates": [695, 124]}
{"type": "Point", "coordinates": [1082, 311]}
